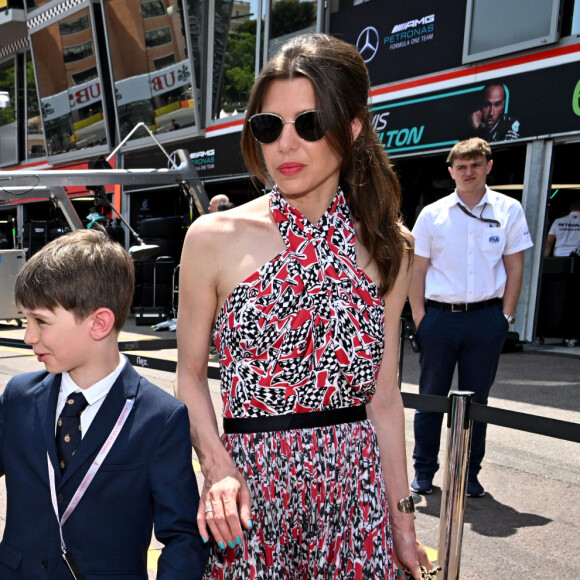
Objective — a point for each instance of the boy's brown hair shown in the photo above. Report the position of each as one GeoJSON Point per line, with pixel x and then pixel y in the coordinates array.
{"type": "Point", "coordinates": [469, 149]}
{"type": "Point", "coordinates": [80, 272]}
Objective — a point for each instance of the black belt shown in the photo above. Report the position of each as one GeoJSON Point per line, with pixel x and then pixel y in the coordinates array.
{"type": "Point", "coordinates": [296, 420]}
{"type": "Point", "coordinates": [463, 306]}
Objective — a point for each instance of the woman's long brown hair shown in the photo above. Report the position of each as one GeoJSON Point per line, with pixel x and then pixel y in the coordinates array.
{"type": "Point", "coordinates": [341, 86]}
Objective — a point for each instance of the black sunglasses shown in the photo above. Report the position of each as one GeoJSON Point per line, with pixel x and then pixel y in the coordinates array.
{"type": "Point", "coordinates": [267, 127]}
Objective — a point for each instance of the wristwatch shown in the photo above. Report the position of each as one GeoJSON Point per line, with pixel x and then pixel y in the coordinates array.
{"type": "Point", "coordinates": [510, 319]}
{"type": "Point", "coordinates": [407, 505]}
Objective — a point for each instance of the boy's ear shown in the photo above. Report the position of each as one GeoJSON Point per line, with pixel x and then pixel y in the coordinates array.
{"type": "Point", "coordinates": [102, 323]}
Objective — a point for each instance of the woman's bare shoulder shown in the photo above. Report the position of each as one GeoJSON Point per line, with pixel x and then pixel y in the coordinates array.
{"type": "Point", "coordinates": [230, 245]}
{"type": "Point", "coordinates": [219, 226]}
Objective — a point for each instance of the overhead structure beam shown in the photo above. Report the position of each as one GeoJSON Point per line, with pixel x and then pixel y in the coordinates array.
{"type": "Point", "coordinates": [49, 184]}
{"type": "Point", "coordinates": [184, 171]}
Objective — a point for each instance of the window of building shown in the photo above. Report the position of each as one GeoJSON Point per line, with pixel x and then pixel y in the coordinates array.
{"type": "Point", "coordinates": [8, 130]}
{"type": "Point", "coordinates": [157, 37]}
{"type": "Point", "coordinates": [85, 75]}
{"type": "Point", "coordinates": [576, 20]}
{"type": "Point", "coordinates": [75, 25]}
{"type": "Point", "coordinates": [197, 17]}
{"type": "Point", "coordinates": [151, 69]}
{"type": "Point", "coordinates": [570, 18]}
{"type": "Point", "coordinates": [164, 61]}
{"type": "Point", "coordinates": [152, 9]}
{"type": "Point", "coordinates": [236, 35]}
{"type": "Point", "coordinates": [71, 101]}
{"type": "Point", "coordinates": [289, 18]}
{"type": "Point", "coordinates": [497, 27]}
{"type": "Point", "coordinates": [33, 4]}
{"type": "Point", "coordinates": [234, 56]}
{"type": "Point", "coordinates": [78, 52]}
{"type": "Point", "coordinates": [34, 135]}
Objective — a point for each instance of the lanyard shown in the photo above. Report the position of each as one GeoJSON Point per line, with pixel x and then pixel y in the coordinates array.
{"type": "Point", "coordinates": [496, 223]}
{"type": "Point", "coordinates": [90, 473]}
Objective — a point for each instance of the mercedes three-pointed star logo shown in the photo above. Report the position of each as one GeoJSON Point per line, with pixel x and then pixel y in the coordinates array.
{"type": "Point", "coordinates": [368, 43]}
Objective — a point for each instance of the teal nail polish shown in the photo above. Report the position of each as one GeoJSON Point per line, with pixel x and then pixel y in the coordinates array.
{"type": "Point", "coordinates": [222, 545]}
{"type": "Point", "coordinates": [238, 540]}
{"type": "Point", "coordinates": [231, 545]}
{"type": "Point", "coordinates": [204, 539]}
{"type": "Point", "coordinates": [250, 524]}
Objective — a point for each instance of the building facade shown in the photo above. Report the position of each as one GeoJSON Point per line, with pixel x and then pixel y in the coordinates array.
{"type": "Point", "coordinates": [83, 78]}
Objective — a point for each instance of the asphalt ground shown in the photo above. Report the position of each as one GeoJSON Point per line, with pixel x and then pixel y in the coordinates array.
{"type": "Point", "coordinates": [525, 527]}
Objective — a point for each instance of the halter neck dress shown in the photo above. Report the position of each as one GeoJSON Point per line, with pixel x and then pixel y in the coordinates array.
{"type": "Point", "coordinates": [305, 333]}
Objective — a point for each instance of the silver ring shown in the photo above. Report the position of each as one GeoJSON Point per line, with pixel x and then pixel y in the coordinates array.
{"type": "Point", "coordinates": [208, 508]}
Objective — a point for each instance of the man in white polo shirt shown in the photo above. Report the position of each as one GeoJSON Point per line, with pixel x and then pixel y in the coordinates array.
{"type": "Point", "coordinates": [467, 276]}
{"type": "Point", "coordinates": [565, 232]}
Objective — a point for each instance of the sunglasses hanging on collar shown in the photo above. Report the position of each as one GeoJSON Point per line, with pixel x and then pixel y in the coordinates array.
{"type": "Point", "coordinates": [496, 223]}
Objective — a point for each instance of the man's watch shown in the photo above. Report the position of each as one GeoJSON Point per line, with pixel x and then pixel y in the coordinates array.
{"type": "Point", "coordinates": [510, 319]}
{"type": "Point", "coordinates": [407, 505]}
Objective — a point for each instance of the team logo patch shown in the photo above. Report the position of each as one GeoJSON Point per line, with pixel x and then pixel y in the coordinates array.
{"type": "Point", "coordinates": [368, 43]}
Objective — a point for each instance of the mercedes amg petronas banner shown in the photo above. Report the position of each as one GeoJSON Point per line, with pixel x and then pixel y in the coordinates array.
{"type": "Point", "coordinates": [400, 40]}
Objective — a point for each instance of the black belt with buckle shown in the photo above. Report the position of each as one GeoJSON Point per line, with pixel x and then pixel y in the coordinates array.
{"type": "Point", "coordinates": [463, 306]}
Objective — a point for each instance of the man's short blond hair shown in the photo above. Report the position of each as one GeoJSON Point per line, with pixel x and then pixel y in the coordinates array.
{"type": "Point", "coordinates": [468, 149]}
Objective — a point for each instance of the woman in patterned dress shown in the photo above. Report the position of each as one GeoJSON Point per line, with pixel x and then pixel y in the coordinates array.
{"type": "Point", "coordinates": [302, 291]}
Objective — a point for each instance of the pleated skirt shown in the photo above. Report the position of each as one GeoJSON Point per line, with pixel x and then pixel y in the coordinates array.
{"type": "Point", "coordinates": [319, 507]}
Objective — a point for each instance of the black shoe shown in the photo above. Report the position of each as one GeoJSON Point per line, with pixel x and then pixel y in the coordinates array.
{"type": "Point", "coordinates": [474, 488]}
{"type": "Point", "coordinates": [423, 483]}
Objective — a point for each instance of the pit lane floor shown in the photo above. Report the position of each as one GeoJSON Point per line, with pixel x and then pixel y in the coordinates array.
{"type": "Point", "coordinates": [526, 525]}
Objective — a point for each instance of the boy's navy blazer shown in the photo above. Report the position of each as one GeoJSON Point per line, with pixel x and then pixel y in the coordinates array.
{"type": "Point", "coordinates": [147, 478]}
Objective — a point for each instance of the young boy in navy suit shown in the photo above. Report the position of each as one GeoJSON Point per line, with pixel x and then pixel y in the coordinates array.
{"type": "Point", "coordinates": [89, 476]}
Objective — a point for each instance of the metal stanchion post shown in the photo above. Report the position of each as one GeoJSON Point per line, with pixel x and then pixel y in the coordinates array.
{"type": "Point", "coordinates": [454, 485]}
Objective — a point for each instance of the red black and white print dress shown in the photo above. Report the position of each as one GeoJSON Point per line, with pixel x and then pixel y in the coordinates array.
{"type": "Point", "coordinates": [305, 333]}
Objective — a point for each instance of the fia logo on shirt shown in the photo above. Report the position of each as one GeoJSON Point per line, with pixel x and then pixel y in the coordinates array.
{"type": "Point", "coordinates": [494, 239]}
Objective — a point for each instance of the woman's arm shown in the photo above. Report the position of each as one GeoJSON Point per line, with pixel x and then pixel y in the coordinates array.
{"type": "Point", "coordinates": [386, 413]}
{"type": "Point", "coordinates": [224, 488]}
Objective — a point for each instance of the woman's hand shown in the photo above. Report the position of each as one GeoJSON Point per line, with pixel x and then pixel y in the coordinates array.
{"type": "Point", "coordinates": [225, 506]}
{"type": "Point", "coordinates": [410, 555]}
